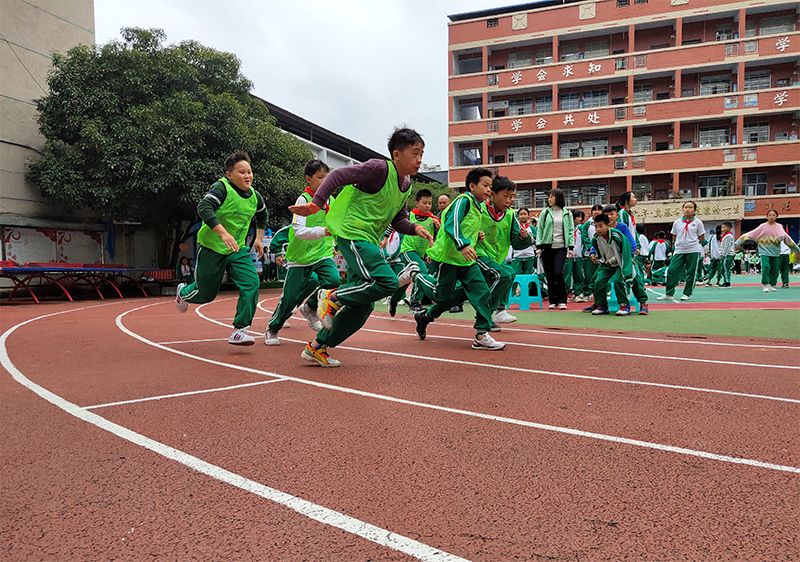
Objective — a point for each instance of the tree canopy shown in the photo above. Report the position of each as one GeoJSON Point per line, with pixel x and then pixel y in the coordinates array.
{"type": "Point", "coordinates": [137, 129]}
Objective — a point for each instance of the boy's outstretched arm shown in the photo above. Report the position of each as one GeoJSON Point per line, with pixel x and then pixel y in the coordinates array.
{"type": "Point", "coordinates": [368, 177]}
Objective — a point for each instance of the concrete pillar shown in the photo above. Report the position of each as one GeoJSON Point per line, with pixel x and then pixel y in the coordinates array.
{"type": "Point", "coordinates": [678, 32]}
{"type": "Point", "coordinates": [555, 48]}
{"type": "Point", "coordinates": [676, 182]}
{"type": "Point", "coordinates": [554, 141]}
{"type": "Point", "coordinates": [738, 182]}
{"type": "Point", "coordinates": [676, 135]}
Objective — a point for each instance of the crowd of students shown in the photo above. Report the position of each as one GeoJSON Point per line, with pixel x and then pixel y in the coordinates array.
{"type": "Point", "coordinates": [469, 252]}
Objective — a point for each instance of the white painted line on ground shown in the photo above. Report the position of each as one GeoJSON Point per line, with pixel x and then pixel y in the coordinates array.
{"type": "Point", "coordinates": [192, 341]}
{"type": "Point", "coordinates": [553, 428]}
{"type": "Point", "coordinates": [178, 394]}
{"type": "Point", "coordinates": [534, 371]}
{"type": "Point", "coordinates": [306, 508]}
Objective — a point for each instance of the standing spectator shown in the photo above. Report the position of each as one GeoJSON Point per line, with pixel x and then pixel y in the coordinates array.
{"type": "Point", "coordinates": [554, 240]}
{"type": "Point", "coordinates": [184, 272]}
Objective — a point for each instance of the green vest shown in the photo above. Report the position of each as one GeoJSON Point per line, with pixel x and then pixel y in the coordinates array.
{"type": "Point", "coordinates": [356, 215]}
{"type": "Point", "coordinates": [307, 252]}
{"type": "Point", "coordinates": [445, 250]}
{"type": "Point", "coordinates": [497, 236]}
{"type": "Point", "coordinates": [235, 214]}
{"type": "Point", "coordinates": [417, 243]}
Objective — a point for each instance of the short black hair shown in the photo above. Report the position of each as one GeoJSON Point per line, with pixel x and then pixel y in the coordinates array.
{"type": "Point", "coordinates": [424, 192]}
{"type": "Point", "coordinates": [578, 213]}
{"type": "Point", "coordinates": [402, 138]}
{"type": "Point", "coordinates": [693, 204]}
{"type": "Point", "coordinates": [597, 207]}
{"type": "Point", "coordinates": [609, 209]}
{"type": "Point", "coordinates": [661, 234]}
{"type": "Point", "coordinates": [475, 175]}
{"type": "Point", "coordinates": [624, 198]}
{"type": "Point", "coordinates": [639, 229]}
{"type": "Point", "coordinates": [314, 166]}
{"type": "Point", "coordinates": [502, 183]}
{"type": "Point", "coordinates": [559, 195]}
{"type": "Point", "coordinates": [534, 220]}
{"type": "Point", "coordinates": [729, 225]}
{"type": "Point", "coordinates": [235, 157]}
{"type": "Point", "coordinates": [603, 218]}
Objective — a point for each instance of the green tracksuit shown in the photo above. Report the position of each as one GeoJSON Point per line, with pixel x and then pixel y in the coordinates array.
{"type": "Point", "coordinates": [413, 249]}
{"type": "Point", "coordinates": [620, 274]}
{"type": "Point", "coordinates": [235, 210]}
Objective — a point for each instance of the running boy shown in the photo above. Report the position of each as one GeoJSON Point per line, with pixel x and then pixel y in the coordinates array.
{"type": "Point", "coordinates": [227, 211]}
{"type": "Point", "coordinates": [613, 256]}
{"type": "Point", "coordinates": [455, 252]}
{"type": "Point", "coordinates": [688, 237]}
{"type": "Point", "coordinates": [374, 196]}
{"type": "Point", "coordinates": [309, 260]}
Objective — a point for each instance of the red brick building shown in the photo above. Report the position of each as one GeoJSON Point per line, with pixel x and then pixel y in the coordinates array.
{"type": "Point", "coordinates": [671, 99]}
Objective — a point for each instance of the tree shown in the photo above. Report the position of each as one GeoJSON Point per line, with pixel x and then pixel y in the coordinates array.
{"type": "Point", "coordinates": [137, 129]}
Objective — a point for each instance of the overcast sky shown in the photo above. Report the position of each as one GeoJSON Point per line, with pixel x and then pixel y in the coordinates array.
{"type": "Point", "coordinates": [356, 67]}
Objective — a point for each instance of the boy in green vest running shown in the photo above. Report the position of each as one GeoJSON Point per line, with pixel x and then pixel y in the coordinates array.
{"type": "Point", "coordinates": [227, 211]}
{"type": "Point", "coordinates": [374, 196]}
{"type": "Point", "coordinates": [501, 231]}
{"type": "Point", "coordinates": [415, 249]}
{"type": "Point", "coordinates": [455, 251]}
{"type": "Point", "coordinates": [309, 258]}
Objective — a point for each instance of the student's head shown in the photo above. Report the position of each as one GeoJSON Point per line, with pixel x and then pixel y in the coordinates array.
{"type": "Point", "coordinates": [611, 212]}
{"type": "Point", "coordinates": [726, 227]}
{"type": "Point", "coordinates": [602, 223]}
{"type": "Point", "coordinates": [597, 208]}
{"type": "Point", "coordinates": [639, 229]}
{"type": "Point", "coordinates": [479, 183]}
{"type": "Point", "coordinates": [442, 202]}
{"type": "Point", "coordinates": [661, 234]}
{"type": "Point", "coordinates": [556, 198]}
{"type": "Point", "coordinates": [523, 215]}
{"type": "Point", "coordinates": [503, 192]}
{"type": "Point", "coordinates": [772, 216]}
{"type": "Point", "coordinates": [578, 217]}
{"type": "Point", "coordinates": [406, 148]}
{"type": "Point", "coordinates": [533, 220]}
{"type": "Point", "coordinates": [314, 172]}
{"type": "Point", "coordinates": [689, 209]}
{"type": "Point", "coordinates": [184, 260]}
{"type": "Point", "coordinates": [424, 200]}
{"type": "Point", "coordinates": [626, 200]}
{"type": "Point", "coordinates": [718, 231]}
{"type": "Point", "coordinates": [238, 170]}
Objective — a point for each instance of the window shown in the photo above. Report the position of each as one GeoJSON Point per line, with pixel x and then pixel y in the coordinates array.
{"type": "Point", "coordinates": [687, 92]}
{"type": "Point", "coordinates": [596, 49]}
{"type": "Point", "coordinates": [642, 143]}
{"type": "Point", "coordinates": [468, 110]}
{"type": "Point", "coordinates": [713, 186]}
{"type": "Point", "coordinates": [732, 49]}
{"type": "Point", "coordinates": [621, 113]}
{"type": "Point", "coordinates": [595, 98]}
{"type": "Point", "coordinates": [519, 153]}
{"type": "Point", "coordinates": [570, 101]}
{"type": "Point", "coordinates": [522, 106]}
{"type": "Point", "coordinates": [498, 159]}
{"type": "Point", "coordinates": [544, 152]}
{"type": "Point", "coordinates": [778, 24]}
{"type": "Point", "coordinates": [622, 3]}
{"type": "Point", "coordinates": [642, 93]}
{"type": "Point", "coordinates": [544, 104]}
{"type": "Point", "coordinates": [756, 132]}
{"type": "Point", "coordinates": [710, 85]}
{"type": "Point", "coordinates": [469, 156]}
{"type": "Point", "coordinates": [620, 63]}
{"type": "Point", "coordinates": [469, 63]}
{"type": "Point", "coordinates": [543, 56]}
{"type": "Point", "coordinates": [620, 163]}
{"type": "Point", "coordinates": [523, 199]}
{"type": "Point", "coordinates": [757, 80]}
{"type": "Point", "coordinates": [714, 136]}
{"type": "Point", "coordinates": [642, 189]}
{"type": "Point", "coordinates": [586, 195]}
{"type": "Point", "coordinates": [640, 1]}
{"type": "Point", "coordinates": [570, 150]}
{"type": "Point", "coordinates": [492, 22]}
{"type": "Point", "coordinates": [569, 52]}
{"type": "Point", "coordinates": [639, 111]}
{"type": "Point", "coordinates": [662, 96]}
{"type": "Point", "coordinates": [540, 198]}
{"type": "Point", "coordinates": [661, 146]}
{"type": "Point", "coordinates": [724, 33]}
{"type": "Point", "coordinates": [750, 29]}
{"type": "Point", "coordinates": [595, 147]}
{"type": "Point", "coordinates": [518, 59]}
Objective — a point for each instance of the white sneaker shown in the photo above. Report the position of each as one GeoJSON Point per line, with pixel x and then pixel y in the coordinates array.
{"type": "Point", "coordinates": [180, 303]}
{"type": "Point", "coordinates": [271, 338]}
{"type": "Point", "coordinates": [503, 317]}
{"type": "Point", "coordinates": [487, 342]}
{"type": "Point", "coordinates": [685, 297]}
{"type": "Point", "coordinates": [406, 276]}
{"type": "Point", "coordinates": [766, 289]}
{"type": "Point", "coordinates": [552, 307]}
{"type": "Point", "coordinates": [562, 306]}
{"type": "Point", "coordinates": [665, 298]}
{"type": "Point", "coordinates": [241, 337]}
{"type": "Point", "coordinates": [773, 289]}
{"type": "Point", "coordinates": [311, 317]}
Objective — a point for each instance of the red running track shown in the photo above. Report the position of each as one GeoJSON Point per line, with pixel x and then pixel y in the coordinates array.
{"type": "Point", "coordinates": [671, 459]}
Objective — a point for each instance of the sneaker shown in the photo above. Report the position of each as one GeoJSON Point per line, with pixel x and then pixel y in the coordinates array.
{"type": "Point", "coordinates": [503, 317]}
{"type": "Point", "coordinates": [487, 342]}
{"type": "Point", "coordinates": [241, 337]}
{"type": "Point", "coordinates": [581, 298]}
{"type": "Point", "coordinates": [772, 288]}
{"type": "Point", "coordinates": [495, 328]}
{"type": "Point", "coordinates": [552, 307]}
{"type": "Point", "coordinates": [590, 308]}
{"type": "Point", "coordinates": [725, 286]}
{"type": "Point", "coordinates": [319, 356]}
{"type": "Point", "coordinates": [392, 308]}
{"type": "Point", "coordinates": [406, 276]}
{"type": "Point", "coordinates": [644, 310]}
{"type": "Point", "coordinates": [311, 317]}
{"type": "Point", "coordinates": [423, 320]}
{"type": "Point", "coordinates": [624, 310]}
{"type": "Point", "coordinates": [180, 303]}
{"type": "Point", "coordinates": [457, 308]}
{"type": "Point", "coordinates": [326, 309]}
{"type": "Point", "coordinates": [271, 338]}
{"type": "Point", "coordinates": [766, 288]}
{"type": "Point", "coordinates": [785, 285]}
{"type": "Point", "coordinates": [416, 307]}
{"type": "Point", "coordinates": [600, 310]}
{"type": "Point", "coordinates": [685, 297]}
{"type": "Point", "coordinates": [562, 306]}
{"type": "Point", "coordinates": [665, 298]}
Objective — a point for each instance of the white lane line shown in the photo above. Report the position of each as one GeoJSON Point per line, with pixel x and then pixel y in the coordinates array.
{"type": "Point", "coordinates": [322, 514]}
{"type": "Point", "coordinates": [606, 336]}
{"type": "Point", "coordinates": [192, 341]}
{"type": "Point", "coordinates": [178, 394]}
{"type": "Point", "coordinates": [536, 371]}
{"type": "Point", "coordinates": [554, 428]}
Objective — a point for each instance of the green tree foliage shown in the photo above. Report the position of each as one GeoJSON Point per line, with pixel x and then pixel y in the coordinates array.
{"type": "Point", "coordinates": [137, 129]}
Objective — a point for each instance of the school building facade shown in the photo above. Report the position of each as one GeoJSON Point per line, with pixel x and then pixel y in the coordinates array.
{"type": "Point", "coordinates": [671, 99]}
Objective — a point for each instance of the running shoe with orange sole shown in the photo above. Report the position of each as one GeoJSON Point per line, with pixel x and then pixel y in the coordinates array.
{"type": "Point", "coordinates": [319, 356]}
{"type": "Point", "coordinates": [326, 309]}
